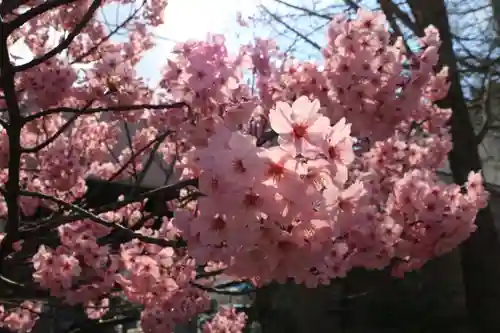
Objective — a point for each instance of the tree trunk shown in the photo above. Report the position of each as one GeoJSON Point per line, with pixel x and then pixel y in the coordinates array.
{"type": "Point", "coordinates": [480, 254]}
{"type": "Point", "coordinates": [430, 300]}
{"type": "Point", "coordinates": [495, 7]}
{"type": "Point", "coordinates": [291, 308]}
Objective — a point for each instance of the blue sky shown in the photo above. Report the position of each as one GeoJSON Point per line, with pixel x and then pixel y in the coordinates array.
{"type": "Point", "coordinates": [193, 19]}
{"type": "Point", "coordinates": [184, 19]}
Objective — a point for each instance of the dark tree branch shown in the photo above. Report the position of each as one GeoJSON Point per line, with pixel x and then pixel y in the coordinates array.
{"type": "Point", "coordinates": [142, 175]}
{"type": "Point", "coordinates": [66, 42]}
{"type": "Point", "coordinates": [34, 12]}
{"type": "Point", "coordinates": [292, 29]}
{"type": "Point", "coordinates": [160, 138]}
{"type": "Point", "coordinates": [305, 10]}
{"type": "Point", "coordinates": [85, 214]}
{"type": "Point", "coordinates": [112, 33]}
{"type": "Point", "coordinates": [352, 5]}
{"type": "Point", "coordinates": [486, 108]}
{"type": "Point", "coordinates": [53, 138]}
{"type": "Point", "coordinates": [167, 193]}
{"type": "Point", "coordinates": [58, 133]}
{"type": "Point", "coordinates": [13, 129]}
{"type": "Point", "coordinates": [266, 137]}
{"type": "Point", "coordinates": [388, 6]}
{"type": "Point", "coordinates": [7, 7]}
{"type": "Point", "coordinates": [118, 108]}
{"type": "Point", "coordinates": [495, 6]}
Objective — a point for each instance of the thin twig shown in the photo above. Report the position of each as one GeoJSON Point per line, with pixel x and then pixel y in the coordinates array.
{"type": "Point", "coordinates": [65, 42]}
{"type": "Point", "coordinates": [118, 108]}
{"type": "Point", "coordinates": [34, 12]}
{"type": "Point", "coordinates": [292, 29]}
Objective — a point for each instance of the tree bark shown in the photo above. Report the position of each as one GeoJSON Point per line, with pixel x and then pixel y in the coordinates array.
{"type": "Point", "coordinates": [495, 7]}
{"type": "Point", "coordinates": [480, 254]}
{"type": "Point", "coordinates": [291, 308]}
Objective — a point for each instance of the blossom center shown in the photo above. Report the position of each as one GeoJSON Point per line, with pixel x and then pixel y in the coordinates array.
{"type": "Point", "coordinates": [238, 166]}
{"type": "Point", "coordinates": [299, 130]}
{"type": "Point", "coordinates": [275, 170]}
{"type": "Point", "coordinates": [251, 199]}
{"type": "Point", "coordinates": [332, 152]}
{"type": "Point", "coordinates": [218, 223]}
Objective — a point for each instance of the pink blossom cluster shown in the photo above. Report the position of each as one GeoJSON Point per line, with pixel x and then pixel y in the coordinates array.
{"type": "Point", "coordinates": [347, 178]}
{"type": "Point", "coordinates": [352, 136]}
{"type": "Point", "coordinates": [160, 279]}
{"type": "Point", "coordinates": [301, 210]}
{"type": "Point", "coordinates": [83, 272]}
{"type": "Point", "coordinates": [20, 319]}
{"type": "Point", "coordinates": [77, 258]}
{"type": "Point", "coordinates": [226, 320]}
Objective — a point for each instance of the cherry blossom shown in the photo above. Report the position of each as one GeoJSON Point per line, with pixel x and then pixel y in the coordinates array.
{"type": "Point", "coordinates": [304, 172]}
{"type": "Point", "coordinates": [226, 320]}
{"type": "Point", "coordinates": [299, 125]}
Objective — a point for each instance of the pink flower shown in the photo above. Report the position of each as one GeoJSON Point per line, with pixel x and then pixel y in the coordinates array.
{"type": "Point", "coordinates": [338, 149]}
{"type": "Point", "coordinates": [225, 321]}
{"type": "Point", "coordinates": [279, 166]}
{"type": "Point", "coordinates": [476, 190]}
{"type": "Point", "coordinates": [240, 164]}
{"type": "Point", "coordinates": [325, 199]}
{"type": "Point", "coordinates": [299, 126]}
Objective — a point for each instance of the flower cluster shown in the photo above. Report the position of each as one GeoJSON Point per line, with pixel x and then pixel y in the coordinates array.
{"type": "Point", "coordinates": [226, 320]}
{"type": "Point", "coordinates": [20, 319]}
{"type": "Point", "coordinates": [305, 170]}
{"type": "Point", "coordinates": [159, 278]}
{"type": "Point", "coordinates": [305, 199]}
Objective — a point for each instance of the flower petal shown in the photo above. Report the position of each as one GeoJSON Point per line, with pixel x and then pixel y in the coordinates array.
{"type": "Point", "coordinates": [280, 118]}
{"type": "Point", "coordinates": [304, 109]}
